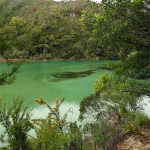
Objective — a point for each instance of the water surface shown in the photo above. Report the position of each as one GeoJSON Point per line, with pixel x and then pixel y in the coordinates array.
{"type": "Point", "coordinates": [53, 79]}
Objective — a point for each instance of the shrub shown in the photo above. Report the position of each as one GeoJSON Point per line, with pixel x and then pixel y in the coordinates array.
{"type": "Point", "coordinates": [19, 139]}
{"type": "Point", "coordinates": [105, 136]}
{"type": "Point", "coordinates": [49, 138]}
{"type": "Point", "coordinates": [132, 127]}
{"type": "Point", "coordinates": [143, 120]}
{"type": "Point", "coordinates": [134, 123]}
{"type": "Point", "coordinates": [53, 129]}
{"type": "Point", "coordinates": [75, 136]}
{"type": "Point", "coordinates": [18, 128]}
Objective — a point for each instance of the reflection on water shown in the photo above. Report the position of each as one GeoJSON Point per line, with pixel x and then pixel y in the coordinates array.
{"type": "Point", "coordinates": [73, 74]}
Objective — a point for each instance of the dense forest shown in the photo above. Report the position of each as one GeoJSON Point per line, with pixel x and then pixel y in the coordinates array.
{"type": "Point", "coordinates": [80, 30]}
{"type": "Point", "coordinates": [48, 30]}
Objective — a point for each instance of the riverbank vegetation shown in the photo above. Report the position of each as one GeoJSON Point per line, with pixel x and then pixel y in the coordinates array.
{"type": "Point", "coordinates": [122, 29]}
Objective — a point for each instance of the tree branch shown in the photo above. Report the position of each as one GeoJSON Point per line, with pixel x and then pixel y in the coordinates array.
{"type": "Point", "coordinates": [141, 45]}
{"type": "Point", "coordinates": [148, 94]}
{"type": "Point", "coordinates": [131, 19]}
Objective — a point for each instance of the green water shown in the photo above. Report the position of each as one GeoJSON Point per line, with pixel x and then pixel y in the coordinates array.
{"type": "Point", "coordinates": [54, 79]}
{"type": "Point", "coordinates": [50, 80]}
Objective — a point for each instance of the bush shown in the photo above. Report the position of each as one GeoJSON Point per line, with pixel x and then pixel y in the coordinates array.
{"type": "Point", "coordinates": [106, 136]}
{"type": "Point", "coordinates": [75, 137]}
{"type": "Point", "coordinates": [50, 135]}
{"type": "Point", "coordinates": [49, 138]}
{"type": "Point", "coordinates": [18, 128]}
{"type": "Point", "coordinates": [143, 120]}
{"type": "Point", "coordinates": [132, 127]}
{"type": "Point", "coordinates": [52, 132]}
{"type": "Point", "coordinates": [134, 123]}
{"type": "Point", "coordinates": [19, 139]}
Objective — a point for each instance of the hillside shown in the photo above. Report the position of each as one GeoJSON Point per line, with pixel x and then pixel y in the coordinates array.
{"type": "Point", "coordinates": [50, 30]}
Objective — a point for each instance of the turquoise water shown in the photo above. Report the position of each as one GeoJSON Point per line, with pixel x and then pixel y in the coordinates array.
{"type": "Point", "coordinates": [50, 80]}
{"type": "Point", "coordinates": [54, 79]}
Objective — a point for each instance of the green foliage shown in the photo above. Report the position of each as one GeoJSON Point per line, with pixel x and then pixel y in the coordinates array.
{"type": "Point", "coordinates": [105, 136]}
{"type": "Point", "coordinates": [140, 118]}
{"type": "Point", "coordinates": [87, 101]}
{"type": "Point", "coordinates": [132, 128]}
{"type": "Point", "coordinates": [18, 128]}
{"type": "Point", "coordinates": [132, 66]}
{"type": "Point", "coordinates": [54, 113]}
{"type": "Point", "coordinates": [48, 138]}
{"type": "Point", "coordinates": [103, 84]}
{"type": "Point", "coordinates": [51, 132]}
{"type": "Point", "coordinates": [16, 22]}
{"type": "Point", "coordinates": [19, 139]}
{"type": "Point", "coordinates": [26, 28]}
{"type": "Point", "coordinates": [75, 136]}
{"type": "Point", "coordinates": [8, 78]}
{"type": "Point", "coordinates": [11, 28]}
{"type": "Point", "coordinates": [143, 120]}
{"type": "Point", "coordinates": [53, 129]}
{"type": "Point", "coordinates": [88, 18]}
{"type": "Point", "coordinates": [114, 94]}
{"type": "Point", "coordinates": [123, 29]}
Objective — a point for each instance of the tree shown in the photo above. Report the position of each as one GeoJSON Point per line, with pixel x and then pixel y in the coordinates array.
{"type": "Point", "coordinates": [34, 7]}
{"type": "Point", "coordinates": [11, 27]}
{"type": "Point", "coordinates": [123, 28]}
{"type": "Point", "coordinates": [113, 93]}
{"type": "Point", "coordinates": [125, 20]}
{"type": "Point", "coordinates": [75, 9]}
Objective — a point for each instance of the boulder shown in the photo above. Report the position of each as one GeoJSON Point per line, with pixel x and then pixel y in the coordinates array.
{"type": "Point", "coordinates": [115, 120]}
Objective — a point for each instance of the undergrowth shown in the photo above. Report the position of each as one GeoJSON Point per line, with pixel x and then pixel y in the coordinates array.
{"type": "Point", "coordinates": [55, 132]}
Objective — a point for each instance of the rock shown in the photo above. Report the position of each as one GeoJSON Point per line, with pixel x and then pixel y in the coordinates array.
{"type": "Point", "coordinates": [115, 120]}
{"type": "Point", "coordinates": [147, 146]}
{"type": "Point", "coordinates": [134, 143]}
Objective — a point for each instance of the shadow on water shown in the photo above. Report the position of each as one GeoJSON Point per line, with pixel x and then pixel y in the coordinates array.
{"type": "Point", "coordinates": [70, 75]}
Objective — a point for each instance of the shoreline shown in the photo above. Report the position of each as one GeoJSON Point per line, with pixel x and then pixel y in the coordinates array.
{"type": "Point", "coordinates": [14, 60]}
{"type": "Point", "coordinates": [55, 59]}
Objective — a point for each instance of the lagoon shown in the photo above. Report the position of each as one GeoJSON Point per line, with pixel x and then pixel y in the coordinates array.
{"type": "Point", "coordinates": [54, 79]}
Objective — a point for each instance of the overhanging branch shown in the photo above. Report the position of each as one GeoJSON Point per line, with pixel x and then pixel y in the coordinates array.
{"type": "Point", "coordinates": [144, 29]}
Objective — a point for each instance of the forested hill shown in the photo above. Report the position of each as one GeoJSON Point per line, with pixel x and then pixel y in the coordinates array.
{"type": "Point", "coordinates": [46, 29]}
